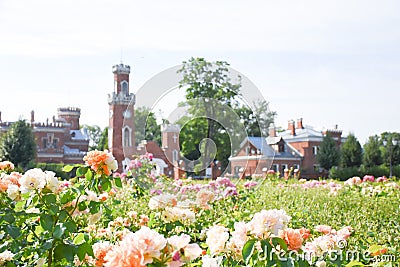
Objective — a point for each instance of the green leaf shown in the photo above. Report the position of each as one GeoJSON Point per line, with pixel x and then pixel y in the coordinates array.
{"type": "Point", "coordinates": [70, 226]}
{"type": "Point", "coordinates": [47, 222]}
{"type": "Point", "coordinates": [54, 209]}
{"type": "Point", "coordinates": [94, 207]}
{"type": "Point", "coordinates": [68, 168]}
{"type": "Point", "coordinates": [81, 171]}
{"type": "Point", "coordinates": [105, 184]}
{"type": "Point", "coordinates": [79, 239]}
{"type": "Point", "coordinates": [49, 199]}
{"type": "Point", "coordinates": [66, 197]}
{"type": "Point", "coordinates": [13, 231]}
{"type": "Point", "coordinates": [88, 175]}
{"type": "Point", "coordinates": [278, 241]}
{"type": "Point", "coordinates": [59, 230]}
{"type": "Point", "coordinates": [247, 250]}
{"type": "Point", "coordinates": [118, 182]}
{"type": "Point", "coordinates": [82, 206]}
{"type": "Point", "coordinates": [354, 263]}
{"type": "Point", "coordinates": [64, 251]}
{"type": "Point", "coordinates": [84, 249]}
{"type": "Point", "coordinates": [9, 218]}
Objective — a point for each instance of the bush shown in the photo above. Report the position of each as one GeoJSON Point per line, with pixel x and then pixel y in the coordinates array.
{"type": "Point", "coordinates": [343, 174]}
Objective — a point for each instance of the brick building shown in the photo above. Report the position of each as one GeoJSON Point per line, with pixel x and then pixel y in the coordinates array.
{"type": "Point", "coordinates": [121, 129]}
{"type": "Point", "coordinates": [58, 141]}
{"type": "Point", "coordinates": [294, 148]}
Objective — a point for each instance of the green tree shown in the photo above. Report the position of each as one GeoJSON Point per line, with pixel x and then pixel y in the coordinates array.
{"type": "Point", "coordinates": [146, 127]}
{"type": "Point", "coordinates": [351, 152]}
{"type": "Point", "coordinates": [372, 153]}
{"type": "Point", "coordinates": [328, 154]}
{"type": "Point", "coordinates": [94, 133]}
{"type": "Point", "coordinates": [103, 141]}
{"type": "Point", "coordinates": [18, 144]}
{"type": "Point", "coordinates": [390, 147]}
{"type": "Point", "coordinates": [256, 119]}
{"type": "Point", "coordinates": [208, 88]}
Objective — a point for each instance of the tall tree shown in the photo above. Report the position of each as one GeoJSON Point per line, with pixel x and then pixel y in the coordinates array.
{"type": "Point", "coordinates": [94, 133]}
{"type": "Point", "coordinates": [146, 127]}
{"type": "Point", "coordinates": [328, 154]}
{"type": "Point", "coordinates": [257, 118]}
{"type": "Point", "coordinates": [103, 141]}
{"type": "Point", "coordinates": [351, 152]}
{"type": "Point", "coordinates": [18, 144]}
{"type": "Point", "coordinates": [208, 88]}
{"type": "Point", "coordinates": [372, 152]}
{"type": "Point", "coordinates": [390, 151]}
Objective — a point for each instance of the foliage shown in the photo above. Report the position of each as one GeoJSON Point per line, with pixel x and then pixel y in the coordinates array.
{"type": "Point", "coordinates": [351, 152]}
{"type": "Point", "coordinates": [95, 218]}
{"type": "Point", "coordinates": [103, 141]}
{"type": "Point", "coordinates": [391, 151]}
{"type": "Point", "coordinates": [256, 119]}
{"type": "Point", "coordinates": [94, 133]}
{"type": "Point", "coordinates": [208, 89]}
{"type": "Point", "coordinates": [18, 144]}
{"type": "Point", "coordinates": [328, 153]}
{"type": "Point", "coordinates": [146, 127]}
{"type": "Point", "coordinates": [372, 155]}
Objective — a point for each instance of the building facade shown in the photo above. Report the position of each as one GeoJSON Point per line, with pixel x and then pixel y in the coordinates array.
{"type": "Point", "coordinates": [296, 148]}
{"type": "Point", "coordinates": [121, 129]}
{"type": "Point", "coordinates": [58, 141]}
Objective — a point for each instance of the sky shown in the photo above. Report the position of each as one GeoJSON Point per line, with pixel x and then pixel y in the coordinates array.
{"type": "Point", "coordinates": [328, 62]}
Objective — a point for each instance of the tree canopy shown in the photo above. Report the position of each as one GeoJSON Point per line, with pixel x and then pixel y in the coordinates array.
{"type": "Point", "coordinates": [372, 155]}
{"type": "Point", "coordinates": [351, 152]}
{"type": "Point", "coordinates": [18, 144]}
{"type": "Point", "coordinates": [328, 153]}
{"type": "Point", "coordinates": [146, 127]}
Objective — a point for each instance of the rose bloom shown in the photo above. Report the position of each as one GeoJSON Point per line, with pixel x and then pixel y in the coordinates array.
{"type": "Point", "coordinates": [268, 222]}
{"type": "Point", "coordinates": [102, 162]}
{"type": "Point", "coordinates": [305, 233]}
{"type": "Point", "coordinates": [6, 166]}
{"type": "Point", "coordinates": [217, 236]}
{"type": "Point", "coordinates": [368, 178]}
{"type": "Point", "coordinates": [345, 232]}
{"type": "Point", "coordinates": [203, 197]}
{"type": "Point", "coordinates": [100, 250]}
{"type": "Point", "coordinates": [125, 254]}
{"type": "Point", "coordinates": [149, 242]}
{"type": "Point", "coordinates": [325, 229]}
{"type": "Point", "coordinates": [33, 179]}
{"type": "Point", "coordinates": [292, 237]}
{"type": "Point", "coordinates": [6, 256]}
{"type": "Point", "coordinates": [52, 182]}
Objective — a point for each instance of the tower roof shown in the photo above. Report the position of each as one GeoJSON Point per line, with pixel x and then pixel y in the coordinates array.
{"type": "Point", "coordinates": [121, 69]}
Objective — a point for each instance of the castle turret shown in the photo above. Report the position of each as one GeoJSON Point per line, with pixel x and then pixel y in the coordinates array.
{"type": "Point", "coordinates": [71, 116]}
{"type": "Point", "coordinates": [121, 141]}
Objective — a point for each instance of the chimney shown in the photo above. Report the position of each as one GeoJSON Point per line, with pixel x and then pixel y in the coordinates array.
{"type": "Point", "coordinates": [300, 124]}
{"type": "Point", "coordinates": [32, 116]}
{"type": "Point", "coordinates": [272, 130]}
{"type": "Point", "coordinates": [291, 127]}
{"type": "Point", "coordinates": [0, 116]}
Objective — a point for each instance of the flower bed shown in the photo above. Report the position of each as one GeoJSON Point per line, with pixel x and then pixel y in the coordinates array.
{"type": "Point", "coordinates": [101, 218]}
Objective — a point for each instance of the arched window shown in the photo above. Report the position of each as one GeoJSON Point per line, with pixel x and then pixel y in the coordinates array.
{"type": "Point", "coordinates": [126, 137]}
{"type": "Point", "coordinates": [124, 87]}
{"type": "Point", "coordinates": [174, 155]}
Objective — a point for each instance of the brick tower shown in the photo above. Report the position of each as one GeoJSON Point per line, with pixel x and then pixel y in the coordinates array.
{"type": "Point", "coordinates": [121, 130]}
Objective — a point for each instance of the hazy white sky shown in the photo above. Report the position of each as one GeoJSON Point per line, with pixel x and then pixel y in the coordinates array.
{"type": "Point", "coordinates": [329, 62]}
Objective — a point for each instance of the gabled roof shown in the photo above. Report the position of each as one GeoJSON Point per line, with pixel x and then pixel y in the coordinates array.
{"type": "Point", "coordinates": [305, 133]}
{"type": "Point", "coordinates": [267, 151]}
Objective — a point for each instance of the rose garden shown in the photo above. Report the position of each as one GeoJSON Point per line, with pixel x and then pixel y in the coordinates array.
{"type": "Point", "coordinates": [103, 218]}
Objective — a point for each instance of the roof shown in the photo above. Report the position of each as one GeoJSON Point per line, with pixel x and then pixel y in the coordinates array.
{"type": "Point", "coordinates": [79, 134]}
{"type": "Point", "coordinates": [267, 151]}
{"type": "Point", "coordinates": [307, 132]}
{"type": "Point", "coordinates": [73, 151]}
